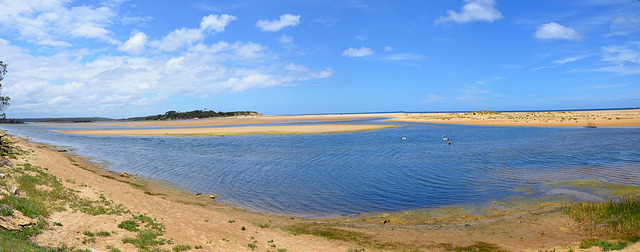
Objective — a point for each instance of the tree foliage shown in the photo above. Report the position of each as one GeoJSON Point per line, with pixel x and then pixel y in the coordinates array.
{"type": "Point", "coordinates": [4, 100]}
{"type": "Point", "coordinates": [195, 114]}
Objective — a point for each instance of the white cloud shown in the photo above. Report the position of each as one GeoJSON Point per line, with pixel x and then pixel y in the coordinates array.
{"type": "Point", "coordinates": [622, 25]}
{"type": "Point", "coordinates": [554, 30]}
{"type": "Point", "coordinates": [388, 49]}
{"type": "Point", "coordinates": [473, 10]}
{"type": "Point", "coordinates": [567, 60]}
{"type": "Point", "coordinates": [625, 60]}
{"type": "Point", "coordinates": [53, 23]}
{"type": "Point", "coordinates": [284, 39]}
{"type": "Point", "coordinates": [619, 54]}
{"type": "Point", "coordinates": [560, 62]}
{"type": "Point", "coordinates": [216, 23]}
{"type": "Point", "coordinates": [187, 36]}
{"type": "Point", "coordinates": [402, 57]}
{"type": "Point", "coordinates": [136, 44]}
{"type": "Point", "coordinates": [358, 52]}
{"type": "Point", "coordinates": [432, 98]}
{"type": "Point", "coordinates": [472, 95]}
{"type": "Point", "coordinates": [108, 85]}
{"type": "Point", "coordinates": [277, 24]}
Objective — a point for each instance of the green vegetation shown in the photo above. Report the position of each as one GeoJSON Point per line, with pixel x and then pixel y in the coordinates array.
{"type": "Point", "coordinates": [612, 219]}
{"type": "Point", "coordinates": [46, 192]}
{"type": "Point", "coordinates": [260, 225]}
{"type": "Point", "coordinates": [252, 246]}
{"type": "Point", "coordinates": [181, 248]}
{"type": "Point", "coordinates": [607, 246]}
{"type": "Point", "coordinates": [100, 233]}
{"type": "Point", "coordinates": [483, 112]}
{"type": "Point", "coordinates": [598, 186]}
{"type": "Point", "coordinates": [195, 114]}
{"type": "Point", "coordinates": [329, 233]}
{"type": "Point", "coordinates": [5, 210]}
{"type": "Point", "coordinates": [477, 247]}
{"type": "Point", "coordinates": [147, 239]}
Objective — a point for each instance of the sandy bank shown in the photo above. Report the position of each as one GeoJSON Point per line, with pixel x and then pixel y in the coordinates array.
{"type": "Point", "coordinates": [261, 119]}
{"type": "Point", "coordinates": [283, 129]}
{"type": "Point", "coordinates": [599, 118]}
{"type": "Point", "coordinates": [198, 220]}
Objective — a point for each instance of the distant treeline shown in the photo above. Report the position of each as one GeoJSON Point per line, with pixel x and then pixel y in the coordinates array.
{"type": "Point", "coordinates": [174, 115]}
{"type": "Point", "coordinates": [56, 120]}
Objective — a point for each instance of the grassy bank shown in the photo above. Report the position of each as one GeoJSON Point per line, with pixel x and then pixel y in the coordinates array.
{"type": "Point", "coordinates": [613, 224]}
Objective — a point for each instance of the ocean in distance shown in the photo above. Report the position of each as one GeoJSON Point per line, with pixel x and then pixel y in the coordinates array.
{"type": "Point", "coordinates": [325, 175]}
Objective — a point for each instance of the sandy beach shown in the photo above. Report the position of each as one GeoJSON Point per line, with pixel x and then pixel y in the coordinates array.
{"type": "Point", "coordinates": [598, 118]}
{"type": "Point", "coordinates": [197, 220]}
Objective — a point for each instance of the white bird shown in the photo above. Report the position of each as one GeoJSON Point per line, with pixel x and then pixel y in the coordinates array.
{"type": "Point", "coordinates": [403, 138]}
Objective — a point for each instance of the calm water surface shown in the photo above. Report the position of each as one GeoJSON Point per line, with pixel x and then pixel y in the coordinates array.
{"type": "Point", "coordinates": [373, 171]}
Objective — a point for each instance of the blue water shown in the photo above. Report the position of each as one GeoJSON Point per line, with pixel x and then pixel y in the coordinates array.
{"type": "Point", "coordinates": [372, 171]}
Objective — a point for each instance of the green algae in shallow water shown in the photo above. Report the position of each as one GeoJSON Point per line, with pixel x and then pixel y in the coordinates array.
{"type": "Point", "coordinates": [598, 186]}
{"type": "Point", "coordinates": [458, 212]}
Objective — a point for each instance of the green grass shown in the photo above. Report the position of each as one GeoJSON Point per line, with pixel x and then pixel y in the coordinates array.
{"type": "Point", "coordinates": [15, 241]}
{"type": "Point", "coordinates": [614, 219]}
{"type": "Point", "coordinates": [181, 248]}
{"type": "Point", "coordinates": [479, 247]}
{"type": "Point", "coordinates": [46, 193]}
{"type": "Point", "coordinates": [329, 233]}
{"type": "Point", "coordinates": [129, 225]}
{"type": "Point", "coordinates": [147, 239]}
{"type": "Point", "coordinates": [606, 245]}
{"type": "Point", "coordinates": [6, 210]}
{"type": "Point", "coordinates": [28, 207]}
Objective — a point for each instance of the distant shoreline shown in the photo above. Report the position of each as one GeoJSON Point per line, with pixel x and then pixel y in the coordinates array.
{"type": "Point", "coordinates": [585, 118]}
{"type": "Point", "coordinates": [259, 124]}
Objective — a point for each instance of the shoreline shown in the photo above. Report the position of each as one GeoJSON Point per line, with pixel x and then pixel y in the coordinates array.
{"type": "Point", "coordinates": [192, 219]}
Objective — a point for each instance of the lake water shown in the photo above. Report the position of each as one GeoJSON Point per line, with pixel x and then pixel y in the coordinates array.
{"type": "Point", "coordinates": [374, 171]}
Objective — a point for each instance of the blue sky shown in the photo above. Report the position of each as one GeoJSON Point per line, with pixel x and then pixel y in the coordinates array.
{"type": "Point", "coordinates": [133, 58]}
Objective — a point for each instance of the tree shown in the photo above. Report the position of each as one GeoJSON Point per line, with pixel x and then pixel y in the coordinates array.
{"type": "Point", "coordinates": [4, 100]}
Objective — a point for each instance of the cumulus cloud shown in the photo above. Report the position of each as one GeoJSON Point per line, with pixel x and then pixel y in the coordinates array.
{"type": "Point", "coordinates": [136, 44]}
{"type": "Point", "coordinates": [473, 10]}
{"type": "Point", "coordinates": [216, 23]}
{"type": "Point", "coordinates": [63, 85]}
{"type": "Point", "coordinates": [277, 24]}
{"type": "Point", "coordinates": [52, 23]}
{"type": "Point", "coordinates": [554, 30]}
{"type": "Point", "coordinates": [358, 52]}
{"type": "Point", "coordinates": [186, 36]}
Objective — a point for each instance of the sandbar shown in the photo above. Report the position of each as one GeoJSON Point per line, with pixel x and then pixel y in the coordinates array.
{"type": "Point", "coordinates": [244, 130]}
{"type": "Point", "coordinates": [597, 118]}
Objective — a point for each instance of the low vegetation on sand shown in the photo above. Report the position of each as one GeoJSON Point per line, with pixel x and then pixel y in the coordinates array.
{"type": "Point", "coordinates": [615, 219]}
{"type": "Point", "coordinates": [35, 195]}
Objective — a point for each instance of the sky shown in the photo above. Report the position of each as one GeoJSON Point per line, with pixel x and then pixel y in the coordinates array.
{"type": "Point", "coordinates": [120, 59]}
